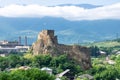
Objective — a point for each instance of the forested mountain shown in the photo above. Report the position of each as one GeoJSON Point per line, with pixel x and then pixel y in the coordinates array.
{"type": "Point", "coordinates": [68, 32]}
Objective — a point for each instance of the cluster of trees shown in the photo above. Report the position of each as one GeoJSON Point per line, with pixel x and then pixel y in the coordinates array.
{"type": "Point", "coordinates": [58, 64]}
{"type": "Point", "coordinates": [94, 51]}
{"type": "Point", "coordinates": [12, 61]}
{"type": "Point", "coordinates": [30, 74]}
{"type": "Point", "coordinates": [118, 40]}
{"type": "Point", "coordinates": [104, 71]}
{"type": "Point", "coordinates": [100, 69]}
{"type": "Point", "coordinates": [108, 46]}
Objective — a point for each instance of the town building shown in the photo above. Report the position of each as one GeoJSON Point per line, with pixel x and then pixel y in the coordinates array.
{"type": "Point", "coordinates": [7, 47]}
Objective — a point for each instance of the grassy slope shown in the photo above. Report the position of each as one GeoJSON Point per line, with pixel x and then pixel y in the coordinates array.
{"type": "Point", "coordinates": [110, 45]}
{"type": "Point", "coordinates": [105, 44]}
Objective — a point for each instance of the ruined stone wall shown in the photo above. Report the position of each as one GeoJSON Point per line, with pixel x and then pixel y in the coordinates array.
{"type": "Point", "coordinates": [47, 43]}
{"type": "Point", "coordinates": [78, 53]}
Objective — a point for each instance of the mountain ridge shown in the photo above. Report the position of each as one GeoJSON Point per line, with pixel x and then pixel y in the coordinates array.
{"type": "Point", "coordinates": [68, 32]}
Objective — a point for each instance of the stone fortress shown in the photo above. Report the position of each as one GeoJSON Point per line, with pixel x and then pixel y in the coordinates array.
{"type": "Point", "coordinates": [47, 43]}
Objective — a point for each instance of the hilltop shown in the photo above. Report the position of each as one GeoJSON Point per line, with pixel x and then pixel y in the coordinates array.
{"type": "Point", "coordinates": [47, 43]}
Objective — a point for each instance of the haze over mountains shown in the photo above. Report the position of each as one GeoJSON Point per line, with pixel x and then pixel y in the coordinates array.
{"type": "Point", "coordinates": [68, 31]}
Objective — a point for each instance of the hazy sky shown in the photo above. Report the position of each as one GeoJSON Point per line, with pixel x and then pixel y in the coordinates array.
{"type": "Point", "coordinates": [56, 2]}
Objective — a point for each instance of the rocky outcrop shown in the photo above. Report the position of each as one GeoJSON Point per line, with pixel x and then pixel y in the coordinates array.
{"type": "Point", "coordinates": [47, 43]}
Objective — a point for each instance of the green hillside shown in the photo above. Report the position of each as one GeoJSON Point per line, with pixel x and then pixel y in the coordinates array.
{"type": "Point", "coordinates": [105, 44]}
{"type": "Point", "coordinates": [109, 46]}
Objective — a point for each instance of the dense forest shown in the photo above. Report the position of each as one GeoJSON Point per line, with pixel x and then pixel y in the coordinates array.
{"type": "Point", "coordinates": [100, 68]}
{"type": "Point", "coordinates": [58, 64]}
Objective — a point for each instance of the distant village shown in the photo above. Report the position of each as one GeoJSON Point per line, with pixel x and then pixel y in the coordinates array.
{"type": "Point", "coordinates": [7, 47]}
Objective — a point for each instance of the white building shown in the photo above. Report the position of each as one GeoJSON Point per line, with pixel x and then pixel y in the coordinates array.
{"type": "Point", "coordinates": [2, 55]}
{"type": "Point", "coordinates": [48, 70]}
{"type": "Point", "coordinates": [14, 49]}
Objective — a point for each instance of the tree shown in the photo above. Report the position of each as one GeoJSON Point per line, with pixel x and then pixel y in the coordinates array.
{"type": "Point", "coordinates": [4, 63]}
{"type": "Point", "coordinates": [30, 74]}
{"type": "Point", "coordinates": [94, 51]}
{"type": "Point", "coordinates": [4, 76]}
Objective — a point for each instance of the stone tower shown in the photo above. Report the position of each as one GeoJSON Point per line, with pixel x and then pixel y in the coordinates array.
{"type": "Point", "coordinates": [47, 43]}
